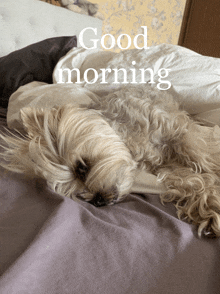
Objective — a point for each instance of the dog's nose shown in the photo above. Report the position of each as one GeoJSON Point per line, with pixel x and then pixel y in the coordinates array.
{"type": "Point", "coordinates": [102, 199]}
{"type": "Point", "coordinates": [98, 200]}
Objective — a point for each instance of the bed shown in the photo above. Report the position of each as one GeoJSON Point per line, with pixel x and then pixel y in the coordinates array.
{"type": "Point", "coordinates": [52, 244]}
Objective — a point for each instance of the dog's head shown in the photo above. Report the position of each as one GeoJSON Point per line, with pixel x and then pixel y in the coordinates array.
{"type": "Point", "coordinates": [76, 151]}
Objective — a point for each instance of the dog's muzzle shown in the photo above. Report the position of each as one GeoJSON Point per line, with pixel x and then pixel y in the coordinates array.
{"type": "Point", "coordinates": [100, 200]}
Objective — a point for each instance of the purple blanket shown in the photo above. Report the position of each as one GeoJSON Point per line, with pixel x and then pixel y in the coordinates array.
{"type": "Point", "coordinates": [53, 245]}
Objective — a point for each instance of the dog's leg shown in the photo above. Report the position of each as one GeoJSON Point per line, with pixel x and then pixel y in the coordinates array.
{"type": "Point", "coordinates": [196, 197]}
{"type": "Point", "coordinates": [193, 182]}
{"type": "Point", "coordinates": [201, 148]}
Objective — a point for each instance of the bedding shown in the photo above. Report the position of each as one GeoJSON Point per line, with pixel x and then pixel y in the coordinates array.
{"type": "Point", "coordinates": [35, 62]}
{"type": "Point", "coordinates": [55, 245]}
{"type": "Point", "coordinates": [51, 244]}
{"type": "Point", "coordinates": [25, 22]}
{"type": "Point", "coordinates": [194, 78]}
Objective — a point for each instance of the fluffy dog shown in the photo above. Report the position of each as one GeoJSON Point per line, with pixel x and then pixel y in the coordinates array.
{"type": "Point", "coordinates": [93, 152]}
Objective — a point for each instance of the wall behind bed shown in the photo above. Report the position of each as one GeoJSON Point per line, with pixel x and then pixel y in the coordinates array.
{"type": "Point", "coordinates": [163, 18]}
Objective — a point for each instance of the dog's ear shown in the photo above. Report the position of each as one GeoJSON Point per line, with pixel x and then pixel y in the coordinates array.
{"type": "Point", "coordinates": [33, 119]}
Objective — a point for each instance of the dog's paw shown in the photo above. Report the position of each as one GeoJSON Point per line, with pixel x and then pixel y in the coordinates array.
{"type": "Point", "coordinates": [196, 198]}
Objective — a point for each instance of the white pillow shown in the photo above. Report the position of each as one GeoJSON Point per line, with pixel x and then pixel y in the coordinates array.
{"type": "Point", "coordinates": [195, 79]}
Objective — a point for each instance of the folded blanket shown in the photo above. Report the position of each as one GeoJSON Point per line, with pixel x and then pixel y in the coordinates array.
{"type": "Point", "coordinates": [194, 79]}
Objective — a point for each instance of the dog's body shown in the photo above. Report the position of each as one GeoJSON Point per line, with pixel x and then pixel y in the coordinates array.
{"type": "Point", "coordinates": [94, 151]}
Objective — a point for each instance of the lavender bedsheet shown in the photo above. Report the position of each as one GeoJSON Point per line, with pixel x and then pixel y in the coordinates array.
{"type": "Point", "coordinates": [53, 245]}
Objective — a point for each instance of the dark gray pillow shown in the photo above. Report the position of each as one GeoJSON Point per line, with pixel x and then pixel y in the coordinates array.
{"type": "Point", "coordinates": [32, 63]}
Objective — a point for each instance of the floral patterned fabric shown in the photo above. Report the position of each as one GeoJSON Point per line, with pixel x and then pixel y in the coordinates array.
{"type": "Point", "coordinates": [162, 17]}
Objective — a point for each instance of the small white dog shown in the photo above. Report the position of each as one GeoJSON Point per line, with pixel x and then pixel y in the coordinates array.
{"type": "Point", "coordinates": [93, 152]}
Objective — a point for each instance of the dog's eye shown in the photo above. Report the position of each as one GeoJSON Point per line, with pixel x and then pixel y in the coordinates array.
{"type": "Point", "coordinates": [82, 170]}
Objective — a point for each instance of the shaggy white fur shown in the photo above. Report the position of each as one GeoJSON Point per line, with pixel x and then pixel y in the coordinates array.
{"type": "Point", "coordinates": [93, 152]}
{"type": "Point", "coordinates": [72, 148]}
